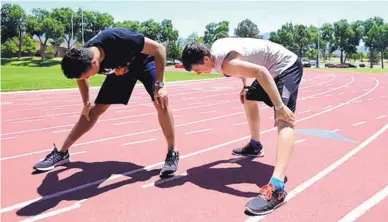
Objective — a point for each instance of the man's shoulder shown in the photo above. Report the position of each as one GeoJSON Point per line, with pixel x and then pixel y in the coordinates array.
{"type": "Point", "coordinates": [113, 34]}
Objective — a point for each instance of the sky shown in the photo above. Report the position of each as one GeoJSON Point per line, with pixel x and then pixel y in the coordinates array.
{"type": "Point", "coordinates": [268, 15]}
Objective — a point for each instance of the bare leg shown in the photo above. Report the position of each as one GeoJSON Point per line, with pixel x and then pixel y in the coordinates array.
{"type": "Point", "coordinates": [253, 118]}
{"type": "Point", "coordinates": [83, 126]}
{"type": "Point", "coordinates": [166, 121]}
{"type": "Point", "coordinates": [286, 144]}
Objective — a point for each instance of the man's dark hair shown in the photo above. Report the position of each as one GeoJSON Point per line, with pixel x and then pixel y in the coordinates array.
{"type": "Point", "coordinates": [193, 54]}
{"type": "Point", "coordinates": [76, 61]}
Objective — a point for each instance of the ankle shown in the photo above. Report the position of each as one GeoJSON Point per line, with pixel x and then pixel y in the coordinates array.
{"type": "Point", "coordinates": [255, 144]}
{"type": "Point", "coordinates": [277, 183]}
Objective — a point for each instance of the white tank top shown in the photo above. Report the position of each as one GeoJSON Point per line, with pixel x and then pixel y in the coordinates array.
{"type": "Point", "coordinates": [273, 56]}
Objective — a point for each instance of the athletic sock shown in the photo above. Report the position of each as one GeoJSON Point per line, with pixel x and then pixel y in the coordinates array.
{"type": "Point", "coordinates": [277, 183]}
{"type": "Point", "coordinates": [255, 144]}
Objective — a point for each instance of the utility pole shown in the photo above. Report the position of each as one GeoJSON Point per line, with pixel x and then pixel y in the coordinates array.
{"type": "Point", "coordinates": [318, 45]}
{"type": "Point", "coordinates": [82, 26]}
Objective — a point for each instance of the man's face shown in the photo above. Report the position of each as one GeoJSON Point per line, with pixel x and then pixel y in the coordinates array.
{"type": "Point", "coordinates": [95, 66]}
{"type": "Point", "coordinates": [206, 67]}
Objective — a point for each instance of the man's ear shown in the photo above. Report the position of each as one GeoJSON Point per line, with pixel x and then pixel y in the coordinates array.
{"type": "Point", "coordinates": [206, 59]}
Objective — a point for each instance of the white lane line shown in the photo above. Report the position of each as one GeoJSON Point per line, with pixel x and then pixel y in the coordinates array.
{"type": "Point", "coordinates": [154, 130]}
{"type": "Point", "coordinates": [7, 138]}
{"type": "Point", "coordinates": [324, 92]}
{"type": "Point", "coordinates": [238, 124]}
{"type": "Point", "coordinates": [137, 142]}
{"type": "Point", "coordinates": [106, 120]}
{"type": "Point", "coordinates": [75, 90]}
{"type": "Point", "coordinates": [336, 130]}
{"type": "Point", "coordinates": [380, 117]}
{"type": "Point", "coordinates": [327, 107]}
{"type": "Point", "coordinates": [327, 170]}
{"type": "Point", "coordinates": [300, 141]}
{"type": "Point", "coordinates": [213, 111]}
{"type": "Point", "coordinates": [126, 110]}
{"type": "Point", "coordinates": [306, 111]}
{"type": "Point", "coordinates": [358, 101]}
{"type": "Point", "coordinates": [134, 100]}
{"type": "Point", "coordinates": [359, 123]}
{"type": "Point", "coordinates": [78, 153]}
{"type": "Point", "coordinates": [365, 206]}
{"type": "Point", "coordinates": [39, 129]}
{"type": "Point", "coordinates": [23, 204]}
{"type": "Point", "coordinates": [158, 182]}
{"type": "Point", "coordinates": [125, 135]}
{"type": "Point", "coordinates": [55, 212]}
{"type": "Point", "coordinates": [198, 131]}
{"type": "Point", "coordinates": [61, 131]}
{"type": "Point", "coordinates": [26, 121]}
{"type": "Point", "coordinates": [50, 109]}
{"type": "Point", "coordinates": [122, 123]}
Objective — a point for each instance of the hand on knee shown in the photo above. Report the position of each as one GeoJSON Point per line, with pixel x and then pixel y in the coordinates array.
{"type": "Point", "coordinates": [159, 107]}
{"type": "Point", "coordinates": [281, 124]}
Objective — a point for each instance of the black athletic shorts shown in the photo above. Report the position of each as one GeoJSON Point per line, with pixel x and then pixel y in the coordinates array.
{"type": "Point", "coordinates": [118, 89]}
{"type": "Point", "coordinates": [287, 83]}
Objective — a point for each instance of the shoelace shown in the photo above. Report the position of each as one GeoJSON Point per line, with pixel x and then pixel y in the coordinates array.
{"type": "Point", "coordinates": [266, 191]}
{"type": "Point", "coordinates": [53, 155]}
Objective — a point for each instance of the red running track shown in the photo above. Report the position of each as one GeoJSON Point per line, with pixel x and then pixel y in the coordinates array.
{"type": "Point", "coordinates": [113, 174]}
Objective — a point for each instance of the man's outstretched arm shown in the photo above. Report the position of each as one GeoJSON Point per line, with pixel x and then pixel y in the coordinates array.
{"type": "Point", "coordinates": [83, 86]}
{"type": "Point", "coordinates": [159, 51]}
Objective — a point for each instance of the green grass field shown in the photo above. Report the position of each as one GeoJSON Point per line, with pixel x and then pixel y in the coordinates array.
{"type": "Point", "coordinates": [27, 74]}
{"type": "Point", "coordinates": [35, 74]}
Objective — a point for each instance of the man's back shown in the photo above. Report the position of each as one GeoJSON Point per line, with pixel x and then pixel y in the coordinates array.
{"type": "Point", "coordinates": [273, 56]}
{"type": "Point", "coordinates": [120, 45]}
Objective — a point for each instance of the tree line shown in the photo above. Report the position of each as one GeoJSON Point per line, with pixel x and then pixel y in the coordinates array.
{"type": "Point", "coordinates": [63, 25]}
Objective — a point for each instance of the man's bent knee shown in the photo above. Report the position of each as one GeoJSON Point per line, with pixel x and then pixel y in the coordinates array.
{"type": "Point", "coordinates": [97, 110]}
{"type": "Point", "coordinates": [283, 124]}
{"type": "Point", "coordinates": [159, 107]}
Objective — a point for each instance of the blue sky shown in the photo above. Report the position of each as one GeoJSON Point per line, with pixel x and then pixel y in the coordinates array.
{"type": "Point", "coordinates": [268, 15]}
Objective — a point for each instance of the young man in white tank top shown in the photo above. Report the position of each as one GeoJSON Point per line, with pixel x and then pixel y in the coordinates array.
{"type": "Point", "coordinates": [277, 73]}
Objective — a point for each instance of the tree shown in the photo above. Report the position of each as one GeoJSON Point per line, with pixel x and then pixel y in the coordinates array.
{"type": "Point", "coordinates": [11, 47]}
{"type": "Point", "coordinates": [382, 41]}
{"type": "Point", "coordinates": [151, 29]}
{"type": "Point", "coordinates": [13, 20]}
{"type": "Point", "coordinates": [343, 35]}
{"type": "Point", "coordinates": [215, 31]}
{"type": "Point", "coordinates": [370, 36]}
{"type": "Point", "coordinates": [44, 27]}
{"type": "Point", "coordinates": [286, 37]}
{"type": "Point", "coordinates": [94, 22]}
{"type": "Point", "coordinates": [70, 21]}
{"type": "Point", "coordinates": [328, 40]}
{"type": "Point", "coordinates": [247, 28]}
{"type": "Point", "coordinates": [132, 25]}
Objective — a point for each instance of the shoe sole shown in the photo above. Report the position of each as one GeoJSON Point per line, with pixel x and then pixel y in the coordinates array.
{"type": "Point", "coordinates": [264, 212]}
{"type": "Point", "coordinates": [167, 175]}
{"type": "Point", "coordinates": [261, 154]}
{"type": "Point", "coordinates": [62, 162]}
